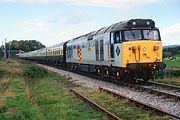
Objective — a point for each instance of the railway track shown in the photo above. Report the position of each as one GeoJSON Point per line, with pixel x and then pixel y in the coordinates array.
{"type": "Point", "coordinates": [167, 87]}
{"type": "Point", "coordinates": [139, 103]}
{"type": "Point", "coordinates": [149, 89]}
{"type": "Point", "coordinates": [162, 90]}
{"type": "Point", "coordinates": [162, 85]}
{"type": "Point", "coordinates": [95, 105]}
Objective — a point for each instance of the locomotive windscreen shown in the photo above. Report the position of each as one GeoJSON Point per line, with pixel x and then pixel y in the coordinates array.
{"type": "Point", "coordinates": [141, 35]}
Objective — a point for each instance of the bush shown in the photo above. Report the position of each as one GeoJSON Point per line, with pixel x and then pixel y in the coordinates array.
{"type": "Point", "coordinates": [34, 71]}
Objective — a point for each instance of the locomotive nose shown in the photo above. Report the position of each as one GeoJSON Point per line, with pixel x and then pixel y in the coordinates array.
{"type": "Point", "coordinates": [142, 52]}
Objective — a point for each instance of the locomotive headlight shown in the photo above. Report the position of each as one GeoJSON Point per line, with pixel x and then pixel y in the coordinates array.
{"type": "Point", "coordinates": [148, 23]}
{"type": "Point", "coordinates": [144, 49]}
{"type": "Point", "coordinates": [134, 23]}
{"type": "Point", "coordinates": [157, 59]}
{"type": "Point", "coordinates": [156, 48]}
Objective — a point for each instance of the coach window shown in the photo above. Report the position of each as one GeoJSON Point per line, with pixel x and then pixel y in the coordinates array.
{"type": "Point", "coordinates": [118, 37]}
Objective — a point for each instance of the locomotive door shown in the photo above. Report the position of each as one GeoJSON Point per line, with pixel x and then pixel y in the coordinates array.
{"type": "Point", "coordinates": [99, 49]}
{"type": "Point", "coordinates": [112, 44]}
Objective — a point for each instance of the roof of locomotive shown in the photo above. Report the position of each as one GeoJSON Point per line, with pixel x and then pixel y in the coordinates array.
{"type": "Point", "coordinates": [133, 23]}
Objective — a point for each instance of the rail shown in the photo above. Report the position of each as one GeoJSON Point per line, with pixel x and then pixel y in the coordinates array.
{"type": "Point", "coordinates": [95, 105]}
{"type": "Point", "coordinates": [138, 102]}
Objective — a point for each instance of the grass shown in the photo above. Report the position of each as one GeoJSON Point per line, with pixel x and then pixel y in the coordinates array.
{"type": "Point", "coordinates": [13, 67]}
{"type": "Point", "coordinates": [33, 97]}
{"type": "Point", "coordinates": [58, 103]}
{"type": "Point", "coordinates": [2, 73]}
{"type": "Point", "coordinates": [14, 104]}
{"type": "Point", "coordinates": [33, 71]}
{"type": "Point", "coordinates": [171, 74]}
{"type": "Point", "coordinates": [173, 64]}
{"type": "Point", "coordinates": [29, 92]}
{"type": "Point", "coordinates": [121, 107]}
{"type": "Point", "coordinates": [1, 61]}
{"type": "Point", "coordinates": [170, 81]}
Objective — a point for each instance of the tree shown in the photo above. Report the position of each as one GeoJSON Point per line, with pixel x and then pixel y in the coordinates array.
{"type": "Point", "coordinates": [171, 51]}
{"type": "Point", "coordinates": [26, 45]}
{"type": "Point", "coordinates": [15, 45]}
{"type": "Point", "coordinates": [1, 51]}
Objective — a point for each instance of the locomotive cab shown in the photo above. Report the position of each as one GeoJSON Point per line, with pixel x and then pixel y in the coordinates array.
{"type": "Point", "coordinates": [142, 52]}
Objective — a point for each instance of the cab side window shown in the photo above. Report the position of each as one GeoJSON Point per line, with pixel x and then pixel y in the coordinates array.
{"type": "Point", "coordinates": [118, 37]}
{"type": "Point", "coordinates": [112, 38]}
{"type": "Point", "coordinates": [112, 44]}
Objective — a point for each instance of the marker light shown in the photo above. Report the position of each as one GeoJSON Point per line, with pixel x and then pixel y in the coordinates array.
{"type": "Point", "coordinates": [134, 23]}
{"type": "Point", "coordinates": [148, 23]}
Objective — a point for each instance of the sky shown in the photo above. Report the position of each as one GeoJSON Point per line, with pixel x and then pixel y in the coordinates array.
{"type": "Point", "coordinates": [55, 21]}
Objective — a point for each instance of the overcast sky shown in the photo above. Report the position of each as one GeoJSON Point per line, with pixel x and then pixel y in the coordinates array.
{"type": "Point", "coordinates": [55, 21]}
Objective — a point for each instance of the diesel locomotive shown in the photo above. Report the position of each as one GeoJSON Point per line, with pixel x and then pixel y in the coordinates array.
{"type": "Point", "coordinates": [128, 50]}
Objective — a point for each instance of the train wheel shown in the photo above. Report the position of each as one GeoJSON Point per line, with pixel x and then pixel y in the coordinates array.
{"type": "Point", "coordinates": [145, 79]}
{"type": "Point", "coordinates": [107, 73]}
{"type": "Point", "coordinates": [98, 71]}
{"type": "Point", "coordinates": [131, 78]}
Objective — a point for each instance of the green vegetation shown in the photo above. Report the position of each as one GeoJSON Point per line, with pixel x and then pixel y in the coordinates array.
{"type": "Point", "coordinates": [121, 107]}
{"type": "Point", "coordinates": [173, 63]}
{"type": "Point", "coordinates": [171, 74]}
{"type": "Point", "coordinates": [171, 51]}
{"type": "Point", "coordinates": [34, 71]}
{"type": "Point", "coordinates": [58, 103]}
{"type": "Point", "coordinates": [170, 81]}
{"type": "Point", "coordinates": [1, 61]}
{"type": "Point", "coordinates": [24, 45]}
{"type": "Point", "coordinates": [29, 92]}
{"type": "Point", "coordinates": [172, 60]}
{"type": "Point", "coordinates": [14, 103]}
{"type": "Point", "coordinates": [39, 97]}
{"type": "Point", "coordinates": [2, 73]}
{"type": "Point", "coordinates": [168, 73]}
